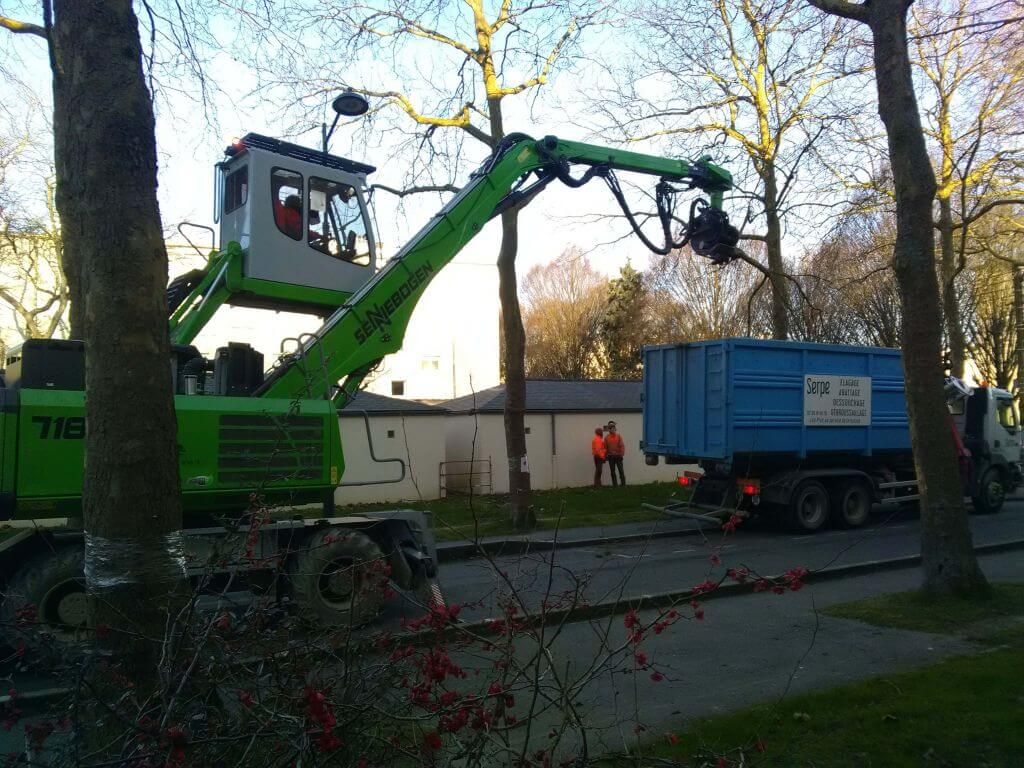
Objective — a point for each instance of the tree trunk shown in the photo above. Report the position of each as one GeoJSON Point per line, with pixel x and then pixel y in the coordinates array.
{"type": "Point", "coordinates": [773, 248]}
{"type": "Point", "coordinates": [950, 306]}
{"type": "Point", "coordinates": [515, 376]}
{"type": "Point", "coordinates": [105, 155]}
{"type": "Point", "coordinates": [513, 346]}
{"type": "Point", "coordinates": [1018, 319]}
{"type": "Point", "coordinates": [948, 559]}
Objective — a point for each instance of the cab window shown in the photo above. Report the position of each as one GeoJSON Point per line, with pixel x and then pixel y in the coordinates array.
{"type": "Point", "coordinates": [336, 224]}
{"type": "Point", "coordinates": [236, 189]}
{"type": "Point", "coordinates": [1007, 415]}
{"type": "Point", "coordinates": [286, 196]}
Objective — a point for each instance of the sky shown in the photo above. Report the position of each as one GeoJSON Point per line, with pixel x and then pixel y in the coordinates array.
{"type": "Point", "coordinates": [189, 145]}
{"type": "Point", "coordinates": [190, 139]}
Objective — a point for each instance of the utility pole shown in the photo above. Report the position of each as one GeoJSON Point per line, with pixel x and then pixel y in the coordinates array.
{"type": "Point", "coordinates": [1018, 314]}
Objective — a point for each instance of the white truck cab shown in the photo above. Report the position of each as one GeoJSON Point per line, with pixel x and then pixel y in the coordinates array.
{"type": "Point", "coordinates": [989, 424]}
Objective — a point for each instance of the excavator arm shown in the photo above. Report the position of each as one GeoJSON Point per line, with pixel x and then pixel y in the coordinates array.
{"type": "Point", "coordinates": [333, 361]}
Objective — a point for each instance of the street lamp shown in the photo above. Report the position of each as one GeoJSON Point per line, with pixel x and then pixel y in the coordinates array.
{"type": "Point", "coordinates": [348, 104]}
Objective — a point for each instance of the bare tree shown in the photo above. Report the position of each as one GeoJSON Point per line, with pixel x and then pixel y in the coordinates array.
{"type": "Point", "coordinates": [947, 551]}
{"type": "Point", "coordinates": [992, 329]}
{"type": "Point", "coordinates": [975, 84]}
{"type": "Point", "coordinates": [563, 302]}
{"type": "Point", "coordinates": [754, 76]}
{"type": "Point", "coordinates": [32, 284]}
{"type": "Point", "coordinates": [849, 290]}
{"type": "Point", "coordinates": [105, 158]}
{"type": "Point", "coordinates": [695, 300]}
{"type": "Point", "coordinates": [481, 54]}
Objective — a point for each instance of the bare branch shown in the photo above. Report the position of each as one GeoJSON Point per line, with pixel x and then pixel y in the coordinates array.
{"type": "Point", "coordinates": [417, 189]}
{"type": "Point", "coordinates": [847, 10]}
{"type": "Point", "coordinates": [22, 27]}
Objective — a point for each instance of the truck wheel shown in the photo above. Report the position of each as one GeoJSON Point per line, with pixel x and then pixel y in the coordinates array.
{"type": "Point", "coordinates": [335, 579]}
{"type": "Point", "coordinates": [46, 597]}
{"type": "Point", "coordinates": [991, 493]}
{"type": "Point", "coordinates": [809, 507]}
{"type": "Point", "coordinates": [851, 503]}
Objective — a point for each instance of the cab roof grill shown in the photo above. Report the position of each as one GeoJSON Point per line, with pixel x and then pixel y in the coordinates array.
{"type": "Point", "coordinates": [258, 141]}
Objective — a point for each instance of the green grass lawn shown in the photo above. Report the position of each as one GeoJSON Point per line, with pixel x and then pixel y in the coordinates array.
{"type": "Point", "coordinates": [912, 610]}
{"type": "Point", "coordinates": [966, 711]}
{"type": "Point", "coordinates": [459, 517]}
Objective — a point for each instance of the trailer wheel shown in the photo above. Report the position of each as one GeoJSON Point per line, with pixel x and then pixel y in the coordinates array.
{"type": "Point", "coordinates": [336, 578]}
{"type": "Point", "coordinates": [46, 597]}
{"type": "Point", "coordinates": [991, 493]}
{"type": "Point", "coordinates": [851, 503]}
{"type": "Point", "coordinates": [809, 507]}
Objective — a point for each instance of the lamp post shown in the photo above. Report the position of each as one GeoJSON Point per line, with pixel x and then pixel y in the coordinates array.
{"type": "Point", "coordinates": [348, 104]}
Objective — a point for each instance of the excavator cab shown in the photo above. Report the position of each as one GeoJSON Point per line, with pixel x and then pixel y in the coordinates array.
{"type": "Point", "coordinates": [302, 220]}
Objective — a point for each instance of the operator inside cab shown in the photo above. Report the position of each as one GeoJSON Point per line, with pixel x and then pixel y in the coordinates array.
{"type": "Point", "coordinates": [335, 219]}
{"type": "Point", "coordinates": [286, 190]}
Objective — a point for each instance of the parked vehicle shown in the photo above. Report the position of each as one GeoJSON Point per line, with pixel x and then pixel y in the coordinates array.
{"type": "Point", "coordinates": [811, 432]}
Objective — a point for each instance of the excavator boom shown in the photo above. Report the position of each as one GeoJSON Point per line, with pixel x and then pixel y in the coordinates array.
{"type": "Point", "coordinates": [372, 323]}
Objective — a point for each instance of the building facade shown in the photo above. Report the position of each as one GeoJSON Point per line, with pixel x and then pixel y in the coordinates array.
{"type": "Point", "coordinates": [560, 420]}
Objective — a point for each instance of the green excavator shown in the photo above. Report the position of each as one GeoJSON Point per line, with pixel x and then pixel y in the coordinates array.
{"type": "Point", "coordinates": [295, 224]}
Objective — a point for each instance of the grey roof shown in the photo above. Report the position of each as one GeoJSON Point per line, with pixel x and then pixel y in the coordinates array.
{"type": "Point", "coordinates": [557, 396]}
{"type": "Point", "coordinates": [381, 406]}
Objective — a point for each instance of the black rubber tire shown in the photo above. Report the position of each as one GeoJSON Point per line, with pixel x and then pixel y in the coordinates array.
{"type": "Point", "coordinates": [54, 583]}
{"type": "Point", "coordinates": [808, 509]}
{"type": "Point", "coordinates": [331, 582]}
{"type": "Point", "coordinates": [991, 493]}
{"type": "Point", "coordinates": [851, 503]}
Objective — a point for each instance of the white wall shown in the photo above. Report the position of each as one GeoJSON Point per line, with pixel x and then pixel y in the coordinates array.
{"type": "Point", "coordinates": [459, 447]}
{"type": "Point", "coordinates": [570, 465]}
{"type": "Point", "coordinates": [574, 462]}
{"type": "Point", "coordinates": [425, 435]}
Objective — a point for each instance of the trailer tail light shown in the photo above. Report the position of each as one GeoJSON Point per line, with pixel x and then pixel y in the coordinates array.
{"type": "Point", "coordinates": [689, 478]}
{"type": "Point", "coordinates": [749, 487]}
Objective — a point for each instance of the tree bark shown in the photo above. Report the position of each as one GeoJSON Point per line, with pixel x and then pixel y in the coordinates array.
{"type": "Point", "coordinates": [105, 155]}
{"type": "Point", "coordinates": [515, 376]}
{"type": "Point", "coordinates": [1018, 319]}
{"type": "Point", "coordinates": [948, 559]}
{"type": "Point", "coordinates": [955, 337]}
{"type": "Point", "coordinates": [513, 346]}
{"type": "Point", "coordinates": [773, 248]}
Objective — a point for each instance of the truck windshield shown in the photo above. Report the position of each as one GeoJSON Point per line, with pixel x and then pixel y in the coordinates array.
{"type": "Point", "coordinates": [1007, 414]}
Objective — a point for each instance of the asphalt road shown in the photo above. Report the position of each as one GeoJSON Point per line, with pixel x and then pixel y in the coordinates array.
{"type": "Point", "coordinates": [676, 563]}
{"type": "Point", "coordinates": [748, 648]}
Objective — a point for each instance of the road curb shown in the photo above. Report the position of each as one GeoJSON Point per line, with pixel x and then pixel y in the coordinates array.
{"type": "Point", "coordinates": [448, 552]}
{"type": "Point", "coordinates": [732, 589]}
{"type": "Point", "coordinates": [486, 627]}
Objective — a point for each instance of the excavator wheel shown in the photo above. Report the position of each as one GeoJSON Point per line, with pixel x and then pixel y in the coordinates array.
{"type": "Point", "coordinates": [338, 579]}
{"type": "Point", "coordinates": [45, 598]}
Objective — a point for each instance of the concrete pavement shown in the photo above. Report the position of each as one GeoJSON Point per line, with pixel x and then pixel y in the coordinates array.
{"type": "Point", "coordinates": [606, 571]}
{"type": "Point", "coordinates": [748, 649]}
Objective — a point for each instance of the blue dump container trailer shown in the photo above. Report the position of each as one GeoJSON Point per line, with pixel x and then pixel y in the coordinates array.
{"type": "Point", "coordinates": [810, 432]}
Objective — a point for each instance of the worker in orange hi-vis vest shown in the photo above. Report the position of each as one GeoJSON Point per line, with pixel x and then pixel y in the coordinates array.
{"type": "Point", "coordinates": [597, 447]}
{"type": "Point", "coordinates": [615, 449]}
